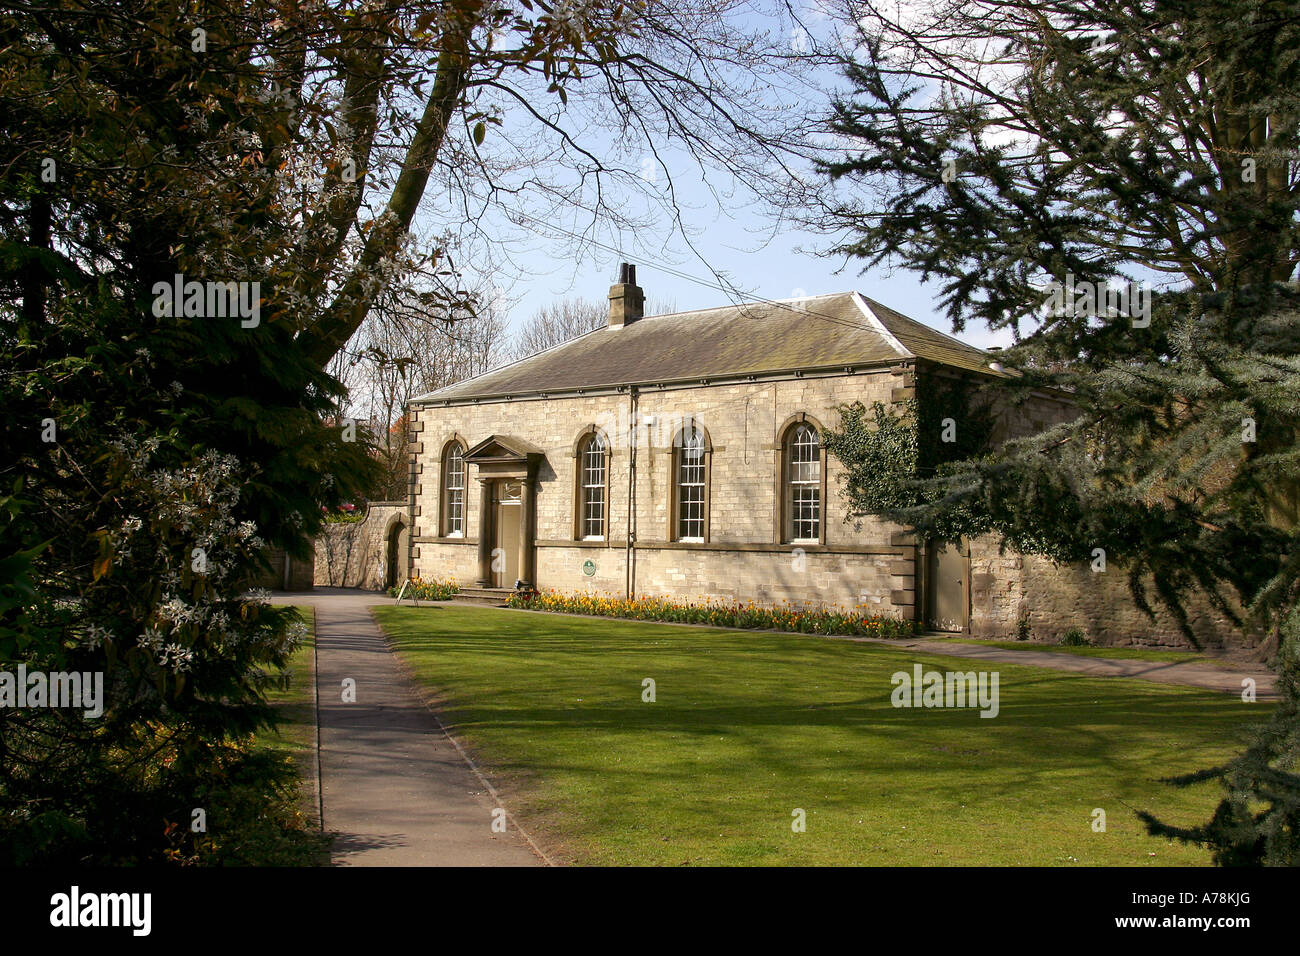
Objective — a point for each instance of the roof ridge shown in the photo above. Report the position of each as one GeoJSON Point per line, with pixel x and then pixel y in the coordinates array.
{"type": "Point", "coordinates": [741, 305]}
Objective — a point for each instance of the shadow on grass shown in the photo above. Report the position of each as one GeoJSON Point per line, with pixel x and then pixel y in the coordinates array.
{"type": "Point", "coordinates": [785, 702]}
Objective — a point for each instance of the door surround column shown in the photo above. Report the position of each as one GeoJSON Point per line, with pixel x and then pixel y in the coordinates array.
{"type": "Point", "coordinates": [527, 528]}
{"type": "Point", "coordinates": [486, 532]}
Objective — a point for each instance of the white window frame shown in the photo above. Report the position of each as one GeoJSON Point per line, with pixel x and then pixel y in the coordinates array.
{"type": "Point", "coordinates": [691, 442]}
{"type": "Point", "coordinates": [796, 481]}
{"type": "Point", "coordinates": [453, 512]}
{"type": "Point", "coordinates": [593, 471]}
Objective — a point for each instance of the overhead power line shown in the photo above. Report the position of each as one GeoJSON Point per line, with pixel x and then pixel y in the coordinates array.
{"type": "Point", "coordinates": [687, 277]}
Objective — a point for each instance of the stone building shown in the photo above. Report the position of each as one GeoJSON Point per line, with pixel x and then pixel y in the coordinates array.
{"type": "Point", "coordinates": [681, 456]}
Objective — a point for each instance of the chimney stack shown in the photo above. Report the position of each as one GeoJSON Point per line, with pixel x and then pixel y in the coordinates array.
{"type": "Point", "coordinates": [626, 300]}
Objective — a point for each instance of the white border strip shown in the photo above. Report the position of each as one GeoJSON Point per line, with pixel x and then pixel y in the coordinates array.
{"type": "Point", "coordinates": [880, 326]}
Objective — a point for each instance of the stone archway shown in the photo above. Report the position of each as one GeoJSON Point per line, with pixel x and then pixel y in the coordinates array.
{"type": "Point", "coordinates": [397, 536]}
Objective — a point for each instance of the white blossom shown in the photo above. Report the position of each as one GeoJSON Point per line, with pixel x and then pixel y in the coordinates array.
{"type": "Point", "coordinates": [95, 636]}
{"type": "Point", "coordinates": [151, 639]}
{"type": "Point", "coordinates": [177, 657]}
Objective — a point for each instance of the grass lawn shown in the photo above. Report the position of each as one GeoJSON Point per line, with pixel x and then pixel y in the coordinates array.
{"type": "Point", "coordinates": [296, 735]}
{"type": "Point", "coordinates": [1117, 653]}
{"type": "Point", "coordinates": [747, 727]}
{"type": "Point", "coordinates": [290, 834]}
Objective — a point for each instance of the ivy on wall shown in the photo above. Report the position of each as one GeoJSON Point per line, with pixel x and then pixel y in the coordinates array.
{"type": "Point", "coordinates": [880, 451]}
{"type": "Point", "coordinates": [893, 453]}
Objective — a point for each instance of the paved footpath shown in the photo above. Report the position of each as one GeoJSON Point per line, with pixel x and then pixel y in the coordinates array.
{"type": "Point", "coordinates": [394, 789]}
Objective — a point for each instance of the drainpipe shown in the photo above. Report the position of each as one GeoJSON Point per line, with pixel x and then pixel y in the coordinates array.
{"type": "Point", "coordinates": [413, 473]}
{"type": "Point", "coordinates": [630, 560]}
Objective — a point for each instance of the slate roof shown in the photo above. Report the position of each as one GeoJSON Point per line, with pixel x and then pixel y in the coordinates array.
{"type": "Point", "coordinates": [819, 332]}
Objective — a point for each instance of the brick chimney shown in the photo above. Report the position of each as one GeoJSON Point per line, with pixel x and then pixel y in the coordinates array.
{"type": "Point", "coordinates": [626, 300]}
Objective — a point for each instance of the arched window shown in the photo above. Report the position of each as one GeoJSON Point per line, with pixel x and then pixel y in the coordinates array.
{"type": "Point", "coordinates": [593, 477]}
{"type": "Point", "coordinates": [691, 484]}
{"type": "Point", "coordinates": [453, 490]}
{"type": "Point", "coordinates": [802, 454]}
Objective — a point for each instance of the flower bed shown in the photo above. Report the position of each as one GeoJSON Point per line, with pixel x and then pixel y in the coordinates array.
{"type": "Point", "coordinates": [434, 590]}
{"type": "Point", "coordinates": [806, 619]}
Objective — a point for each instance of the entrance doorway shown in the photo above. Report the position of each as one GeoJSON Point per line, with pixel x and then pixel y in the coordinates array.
{"type": "Point", "coordinates": [395, 569]}
{"type": "Point", "coordinates": [947, 585]}
{"type": "Point", "coordinates": [505, 562]}
{"type": "Point", "coordinates": [508, 471]}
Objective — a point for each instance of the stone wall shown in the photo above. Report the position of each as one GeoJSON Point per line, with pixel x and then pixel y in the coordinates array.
{"type": "Point", "coordinates": [1052, 598]}
{"type": "Point", "coordinates": [300, 573]}
{"type": "Point", "coordinates": [764, 575]}
{"type": "Point", "coordinates": [352, 554]}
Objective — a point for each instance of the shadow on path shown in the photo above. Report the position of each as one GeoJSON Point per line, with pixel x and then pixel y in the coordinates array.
{"type": "Point", "coordinates": [394, 789]}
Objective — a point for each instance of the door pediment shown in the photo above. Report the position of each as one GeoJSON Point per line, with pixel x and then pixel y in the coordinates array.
{"type": "Point", "coordinates": [502, 448]}
{"type": "Point", "coordinates": [505, 455]}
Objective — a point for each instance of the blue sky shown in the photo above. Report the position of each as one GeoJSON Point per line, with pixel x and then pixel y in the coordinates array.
{"type": "Point", "coordinates": [730, 231]}
{"type": "Point", "coordinates": [759, 257]}
{"type": "Point", "coordinates": [777, 270]}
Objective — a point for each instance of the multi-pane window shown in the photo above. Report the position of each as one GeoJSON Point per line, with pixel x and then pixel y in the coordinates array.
{"type": "Point", "coordinates": [803, 484]}
{"type": "Point", "coordinates": [592, 470]}
{"type": "Point", "coordinates": [453, 490]}
{"type": "Point", "coordinates": [691, 474]}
